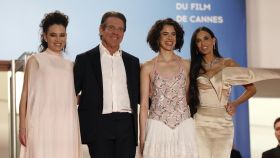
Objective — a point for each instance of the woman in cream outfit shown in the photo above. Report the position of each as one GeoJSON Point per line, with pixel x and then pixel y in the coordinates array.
{"type": "Point", "coordinates": [211, 79]}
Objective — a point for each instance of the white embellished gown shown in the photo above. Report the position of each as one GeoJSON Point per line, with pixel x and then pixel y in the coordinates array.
{"type": "Point", "coordinates": [170, 130]}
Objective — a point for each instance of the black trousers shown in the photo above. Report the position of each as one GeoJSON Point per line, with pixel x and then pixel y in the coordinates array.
{"type": "Point", "coordinates": [116, 139]}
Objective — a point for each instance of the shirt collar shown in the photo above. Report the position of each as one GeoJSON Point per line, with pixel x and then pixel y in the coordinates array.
{"type": "Point", "coordinates": [104, 51]}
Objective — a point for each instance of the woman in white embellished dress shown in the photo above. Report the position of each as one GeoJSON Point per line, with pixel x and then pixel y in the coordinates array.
{"type": "Point", "coordinates": [49, 126]}
{"type": "Point", "coordinates": [211, 79]}
{"type": "Point", "coordinates": [166, 126]}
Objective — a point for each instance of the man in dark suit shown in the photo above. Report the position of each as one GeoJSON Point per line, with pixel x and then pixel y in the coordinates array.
{"type": "Point", "coordinates": [107, 81]}
{"type": "Point", "coordinates": [275, 152]}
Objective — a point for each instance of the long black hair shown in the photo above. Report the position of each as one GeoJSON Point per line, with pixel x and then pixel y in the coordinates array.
{"type": "Point", "coordinates": [196, 61]}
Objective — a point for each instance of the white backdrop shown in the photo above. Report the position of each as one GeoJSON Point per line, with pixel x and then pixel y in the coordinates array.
{"type": "Point", "coordinates": [263, 32]}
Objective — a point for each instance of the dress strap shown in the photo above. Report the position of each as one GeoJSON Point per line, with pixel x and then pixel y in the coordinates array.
{"type": "Point", "coordinates": [153, 72]}
{"type": "Point", "coordinates": [155, 65]}
{"type": "Point", "coordinates": [181, 67]}
{"type": "Point", "coordinates": [179, 59]}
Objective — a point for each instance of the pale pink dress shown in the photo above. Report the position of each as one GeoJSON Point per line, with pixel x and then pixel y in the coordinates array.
{"type": "Point", "coordinates": [170, 130]}
{"type": "Point", "coordinates": [51, 118]}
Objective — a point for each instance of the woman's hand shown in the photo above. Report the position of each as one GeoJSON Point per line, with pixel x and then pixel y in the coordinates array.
{"type": "Point", "coordinates": [141, 147]}
{"type": "Point", "coordinates": [22, 136]}
{"type": "Point", "coordinates": [78, 99]}
{"type": "Point", "coordinates": [231, 108]}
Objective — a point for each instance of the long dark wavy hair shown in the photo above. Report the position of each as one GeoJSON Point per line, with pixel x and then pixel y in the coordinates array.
{"type": "Point", "coordinates": [196, 66]}
{"type": "Point", "coordinates": [50, 19]}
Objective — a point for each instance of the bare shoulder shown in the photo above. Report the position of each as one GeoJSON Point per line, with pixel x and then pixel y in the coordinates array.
{"type": "Point", "coordinates": [32, 58]}
{"type": "Point", "coordinates": [186, 63]}
{"type": "Point", "coordinates": [31, 61]}
{"type": "Point", "coordinates": [32, 64]}
{"type": "Point", "coordinates": [230, 63]}
{"type": "Point", "coordinates": [147, 66]}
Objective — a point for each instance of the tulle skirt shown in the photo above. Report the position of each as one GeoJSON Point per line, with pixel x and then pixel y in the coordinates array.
{"type": "Point", "coordinates": [164, 142]}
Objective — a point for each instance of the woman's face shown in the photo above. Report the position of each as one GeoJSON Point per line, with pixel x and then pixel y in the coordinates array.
{"type": "Point", "coordinates": [205, 43]}
{"type": "Point", "coordinates": [56, 37]}
{"type": "Point", "coordinates": [167, 40]}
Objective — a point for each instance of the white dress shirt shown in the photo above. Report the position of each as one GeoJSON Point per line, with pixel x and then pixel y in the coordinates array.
{"type": "Point", "coordinates": [115, 93]}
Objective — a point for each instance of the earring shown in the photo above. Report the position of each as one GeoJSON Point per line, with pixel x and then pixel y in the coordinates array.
{"type": "Point", "coordinates": [214, 46]}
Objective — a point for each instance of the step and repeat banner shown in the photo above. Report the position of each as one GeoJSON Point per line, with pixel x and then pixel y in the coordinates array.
{"type": "Point", "coordinates": [20, 21]}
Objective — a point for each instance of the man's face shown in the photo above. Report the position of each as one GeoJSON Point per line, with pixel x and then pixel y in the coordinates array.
{"type": "Point", "coordinates": [112, 33]}
{"type": "Point", "coordinates": [277, 131]}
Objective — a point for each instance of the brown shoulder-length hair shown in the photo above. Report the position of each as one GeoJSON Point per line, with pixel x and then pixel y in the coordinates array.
{"type": "Point", "coordinates": [154, 34]}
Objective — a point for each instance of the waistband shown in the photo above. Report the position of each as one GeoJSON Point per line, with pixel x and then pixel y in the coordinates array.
{"type": "Point", "coordinates": [213, 111]}
{"type": "Point", "coordinates": [117, 115]}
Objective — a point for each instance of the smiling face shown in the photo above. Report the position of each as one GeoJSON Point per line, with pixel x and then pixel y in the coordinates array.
{"type": "Point", "coordinates": [167, 40]}
{"type": "Point", "coordinates": [205, 43]}
{"type": "Point", "coordinates": [112, 32]}
{"type": "Point", "coordinates": [56, 38]}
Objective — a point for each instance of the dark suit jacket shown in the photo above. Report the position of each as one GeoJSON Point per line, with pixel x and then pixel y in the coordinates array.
{"type": "Point", "coordinates": [272, 153]}
{"type": "Point", "coordinates": [235, 154]}
{"type": "Point", "coordinates": [88, 80]}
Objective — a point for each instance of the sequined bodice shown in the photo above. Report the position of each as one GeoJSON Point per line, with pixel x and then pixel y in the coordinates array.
{"type": "Point", "coordinates": [169, 103]}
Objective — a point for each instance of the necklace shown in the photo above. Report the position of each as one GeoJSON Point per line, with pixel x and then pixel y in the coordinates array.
{"type": "Point", "coordinates": [210, 65]}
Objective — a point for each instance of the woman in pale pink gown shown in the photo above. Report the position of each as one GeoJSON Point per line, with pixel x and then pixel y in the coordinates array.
{"type": "Point", "coordinates": [49, 126]}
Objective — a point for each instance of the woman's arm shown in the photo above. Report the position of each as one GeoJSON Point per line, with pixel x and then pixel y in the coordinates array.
{"type": "Point", "coordinates": [250, 90]}
{"type": "Point", "coordinates": [144, 101]}
{"type": "Point", "coordinates": [187, 73]}
{"type": "Point", "coordinates": [31, 63]}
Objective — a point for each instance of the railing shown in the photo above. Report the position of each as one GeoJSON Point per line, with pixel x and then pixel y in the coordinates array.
{"type": "Point", "coordinates": [14, 66]}
{"type": "Point", "coordinates": [5, 65]}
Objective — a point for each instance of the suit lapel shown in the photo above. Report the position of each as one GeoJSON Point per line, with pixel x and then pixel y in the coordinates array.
{"type": "Point", "coordinates": [127, 65]}
{"type": "Point", "coordinates": [96, 66]}
{"type": "Point", "coordinates": [277, 151]}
